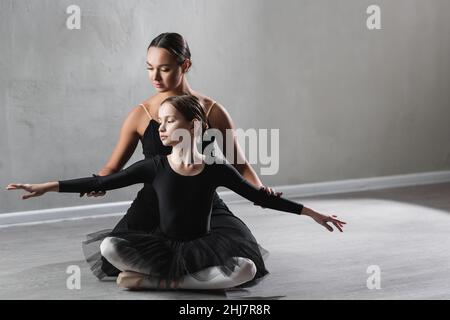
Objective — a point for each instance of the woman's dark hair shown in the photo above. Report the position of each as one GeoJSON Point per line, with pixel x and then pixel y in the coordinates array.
{"type": "Point", "coordinates": [190, 107]}
{"type": "Point", "coordinates": [175, 44]}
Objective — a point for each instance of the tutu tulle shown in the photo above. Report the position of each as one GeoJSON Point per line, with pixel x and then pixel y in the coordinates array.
{"type": "Point", "coordinates": [170, 259]}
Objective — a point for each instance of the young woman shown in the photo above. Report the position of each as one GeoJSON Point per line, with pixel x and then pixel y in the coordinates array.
{"type": "Point", "coordinates": [168, 61]}
{"type": "Point", "coordinates": [183, 251]}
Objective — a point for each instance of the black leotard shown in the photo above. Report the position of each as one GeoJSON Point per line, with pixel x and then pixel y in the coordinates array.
{"type": "Point", "coordinates": [185, 210]}
{"type": "Point", "coordinates": [143, 216]}
{"type": "Point", "coordinates": [184, 201]}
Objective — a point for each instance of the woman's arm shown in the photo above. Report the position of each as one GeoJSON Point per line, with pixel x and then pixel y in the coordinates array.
{"type": "Point", "coordinates": [220, 119]}
{"type": "Point", "coordinates": [126, 145]}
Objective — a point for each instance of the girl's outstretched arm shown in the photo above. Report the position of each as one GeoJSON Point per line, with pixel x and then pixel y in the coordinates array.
{"type": "Point", "coordinates": [139, 172]}
{"type": "Point", "coordinates": [34, 190]}
{"type": "Point", "coordinates": [229, 177]}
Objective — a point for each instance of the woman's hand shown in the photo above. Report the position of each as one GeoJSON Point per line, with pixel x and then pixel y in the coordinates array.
{"type": "Point", "coordinates": [35, 190]}
{"type": "Point", "coordinates": [94, 193]}
{"type": "Point", "coordinates": [270, 191]}
{"type": "Point", "coordinates": [324, 219]}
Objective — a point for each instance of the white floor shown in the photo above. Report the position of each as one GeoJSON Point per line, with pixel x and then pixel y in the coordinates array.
{"type": "Point", "coordinates": [404, 232]}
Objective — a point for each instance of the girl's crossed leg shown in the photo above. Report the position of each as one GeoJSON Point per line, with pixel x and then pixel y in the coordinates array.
{"type": "Point", "coordinates": [134, 278]}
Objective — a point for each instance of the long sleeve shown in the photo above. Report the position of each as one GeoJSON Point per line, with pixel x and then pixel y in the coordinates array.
{"type": "Point", "coordinates": [139, 172]}
{"type": "Point", "coordinates": [229, 177]}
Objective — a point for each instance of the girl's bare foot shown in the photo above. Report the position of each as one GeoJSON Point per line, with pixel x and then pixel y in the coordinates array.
{"type": "Point", "coordinates": [130, 280]}
{"type": "Point", "coordinates": [138, 281]}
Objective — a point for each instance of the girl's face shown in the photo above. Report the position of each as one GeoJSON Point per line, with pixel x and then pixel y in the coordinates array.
{"type": "Point", "coordinates": [171, 119]}
{"type": "Point", "coordinates": [163, 70]}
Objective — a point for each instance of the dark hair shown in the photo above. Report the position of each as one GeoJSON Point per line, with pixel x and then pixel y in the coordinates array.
{"type": "Point", "coordinates": [190, 107]}
{"type": "Point", "coordinates": [175, 44]}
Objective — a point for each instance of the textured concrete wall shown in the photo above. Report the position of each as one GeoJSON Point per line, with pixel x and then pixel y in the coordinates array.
{"type": "Point", "coordinates": [349, 102]}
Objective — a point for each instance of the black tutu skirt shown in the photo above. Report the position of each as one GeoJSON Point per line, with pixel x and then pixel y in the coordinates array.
{"type": "Point", "coordinates": [170, 259]}
{"type": "Point", "coordinates": [149, 248]}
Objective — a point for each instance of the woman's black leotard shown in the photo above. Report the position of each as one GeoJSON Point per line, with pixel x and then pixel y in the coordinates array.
{"type": "Point", "coordinates": [183, 243]}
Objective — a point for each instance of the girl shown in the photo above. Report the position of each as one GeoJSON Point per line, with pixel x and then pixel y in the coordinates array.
{"type": "Point", "coordinates": [183, 251]}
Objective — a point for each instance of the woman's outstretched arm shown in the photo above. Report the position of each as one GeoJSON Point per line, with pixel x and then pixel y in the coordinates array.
{"type": "Point", "coordinates": [220, 119]}
{"type": "Point", "coordinates": [125, 146]}
{"type": "Point", "coordinates": [139, 172]}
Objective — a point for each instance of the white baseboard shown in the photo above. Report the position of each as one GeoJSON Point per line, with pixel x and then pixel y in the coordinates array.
{"type": "Point", "coordinates": [290, 191]}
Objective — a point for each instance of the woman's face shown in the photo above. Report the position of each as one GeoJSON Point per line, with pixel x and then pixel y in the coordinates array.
{"type": "Point", "coordinates": [171, 119]}
{"type": "Point", "coordinates": [163, 70]}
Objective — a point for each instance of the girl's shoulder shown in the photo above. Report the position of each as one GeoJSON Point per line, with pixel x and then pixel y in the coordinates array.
{"type": "Point", "coordinates": [217, 163]}
{"type": "Point", "coordinates": [155, 160]}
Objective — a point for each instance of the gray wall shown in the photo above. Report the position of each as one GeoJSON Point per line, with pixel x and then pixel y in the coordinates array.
{"type": "Point", "coordinates": [349, 102]}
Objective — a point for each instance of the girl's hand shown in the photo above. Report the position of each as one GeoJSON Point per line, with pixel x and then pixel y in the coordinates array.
{"type": "Point", "coordinates": [35, 190]}
{"type": "Point", "coordinates": [324, 219]}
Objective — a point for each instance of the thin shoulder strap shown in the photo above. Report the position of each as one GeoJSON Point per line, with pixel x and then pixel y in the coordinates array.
{"type": "Point", "coordinates": [210, 108]}
{"type": "Point", "coordinates": [146, 111]}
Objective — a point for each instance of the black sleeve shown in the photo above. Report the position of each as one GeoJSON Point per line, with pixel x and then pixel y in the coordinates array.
{"type": "Point", "coordinates": [139, 172]}
{"type": "Point", "coordinates": [229, 177]}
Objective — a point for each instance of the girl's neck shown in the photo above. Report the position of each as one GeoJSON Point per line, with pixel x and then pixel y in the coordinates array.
{"type": "Point", "coordinates": [185, 158]}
